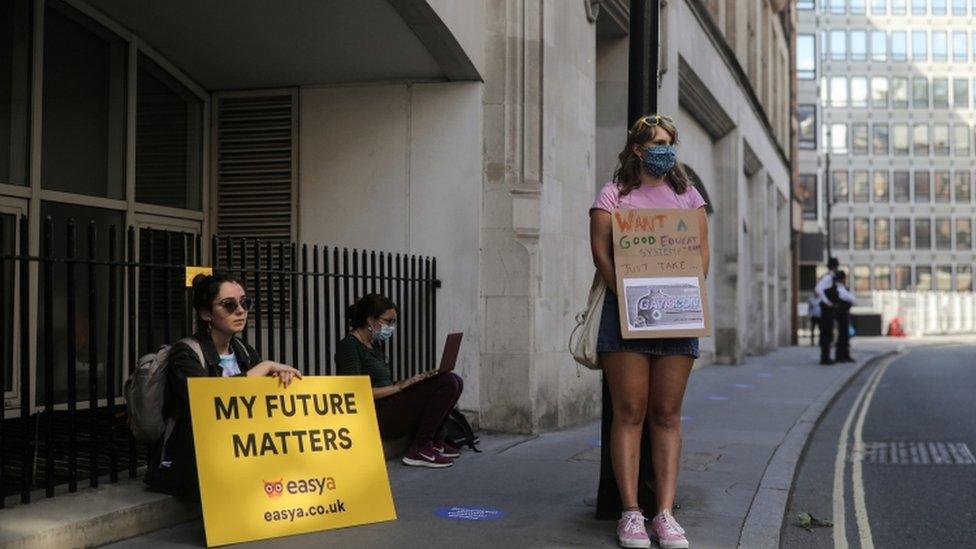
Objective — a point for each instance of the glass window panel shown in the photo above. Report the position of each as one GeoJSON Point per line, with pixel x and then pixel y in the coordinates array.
{"type": "Point", "coordinates": [960, 93]}
{"type": "Point", "coordinates": [859, 186]}
{"type": "Point", "coordinates": [840, 186]}
{"type": "Point", "coordinates": [918, 7]}
{"type": "Point", "coordinates": [879, 46]}
{"type": "Point", "coordinates": [857, 7]}
{"type": "Point", "coordinates": [901, 188]}
{"type": "Point", "coordinates": [8, 246]}
{"type": "Point", "coordinates": [940, 93]}
{"type": "Point", "coordinates": [861, 278]}
{"type": "Point", "coordinates": [838, 91]}
{"type": "Point", "coordinates": [942, 187]}
{"type": "Point", "coordinates": [960, 47]}
{"type": "Point", "coordinates": [808, 195]}
{"type": "Point", "coordinates": [899, 46]}
{"type": "Point", "coordinates": [14, 90]}
{"type": "Point", "coordinates": [920, 46]}
{"type": "Point", "coordinates": [964, 232]}
{"type": "Point", "coordinates": [898, 7]}
{"type": "Point", "coordinates": [962, 187]}
{"type": "Point", "coordinates": [882, 277]}
{"type": "Point", "coordinates": [862, 233]}
{"type": "Point", "coordinates": [838, 138]}
{"type": "Point", "coordinates": [169, 140]}
{"type": "Point", "coordinates": [923, 278]}
{"type": "Point", "coordinates": [83, 129]}
{"type": "Point", "coordinates": [837, 6]}
{"type": "Point", "coordinates": [807, 115]}
{"type": "Point", "coordinates": [920, 140]}
{"type": "Point", "coordinates": [806, 63]}
{"type": "Point", "coordinates": [838, 45]}
{"type": "Point", "coordinates": [922, 189]}
{"type": "Point", "coordinates": [943, 278]}
{"type": "Point", "coordinates": [920, 93]}
{"type": "Point", "coordinates": [923, 233]}
{"type": "Point", "coordinates": [899, 139]}
{"type": "Point", "coordinates": [879, 7]}
{"type": "Point", "coordinates": [958, 7]}
{"type": "Point", "coordinates": [903, 277]}
{"type": "Point", "coordinates": [805, 4]}
{"type": "Point", "coordinates": [943, 233]}
{"type": "Point", "coordinates": [972, 41]}
{"type": "Point", "coordinates": [840, 235]}
{"type": "Point", "coordinates": [879, 144]}
{"type": "Point", "coordinates": [938, 7]}
{"type": "Point", "coordinates": [899, 92]}
{"type": "Point", "coordinates": [960, 139]}
{"type": "Point", "coordinates": [940, 49]}
{"type": "Point", "coordinates": [964, 278]}
{"type": "Point", "coordinates": [879, 184]}
{"type": "Point", "coordinates": [859, 139]}
{"type": "Point", "coordinates": [859, 91]}
{"type": "Point", "coordinates": [903, 233]}
{"type": "Point", "coordinates": [879, 92]}
{"type": "Point", "coordinates": [882, 233]}
{"type": "Point", "coordinates": [940, 139]}
{"type": "Point", "coordinates": [859, 45]}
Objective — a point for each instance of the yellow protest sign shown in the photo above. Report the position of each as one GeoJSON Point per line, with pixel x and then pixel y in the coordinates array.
{"type": "Point", "coordinates": [192, 272]}
{"type": "Point", "coordinates": [275, 461]}
{"type": "Point", "coordinates": [660, 277]}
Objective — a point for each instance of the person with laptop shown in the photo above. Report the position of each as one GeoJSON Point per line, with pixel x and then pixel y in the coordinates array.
{"type": "Point", "coordinates": [416, 406]}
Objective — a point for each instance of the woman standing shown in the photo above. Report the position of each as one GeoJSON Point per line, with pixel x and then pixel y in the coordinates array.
{"type": "Point", "coordinates": [647, 377]}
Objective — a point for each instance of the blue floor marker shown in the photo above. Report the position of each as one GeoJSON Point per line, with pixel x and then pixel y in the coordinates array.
{"type": "Point", "coordinates": [743, 386]}
{"type": "Point", "coordinates": [717, 397]}
{"type": "Point", "coordinates": [595, 442]}
{"type": "Point", "coordinates": [686, 418]}
{"type": "Point", "coordinates": [476, 514]}
{"type": "Point", "coordinates": [763, 374]}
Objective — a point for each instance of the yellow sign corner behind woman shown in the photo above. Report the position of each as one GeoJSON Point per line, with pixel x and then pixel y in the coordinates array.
{"type": "Point", "coordinates": [275, 461]}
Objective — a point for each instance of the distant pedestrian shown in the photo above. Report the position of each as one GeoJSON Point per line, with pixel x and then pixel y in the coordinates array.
{"type": "Point", "coordinates": [826, 311]}
{"type": "Point", "coordinates": [843, 301]}
{"type": "Point", "coordinates": [646, 377]}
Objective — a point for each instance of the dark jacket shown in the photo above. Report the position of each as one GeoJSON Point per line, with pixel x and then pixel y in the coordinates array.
{"type": "Point", "coordinates": [173, 468]}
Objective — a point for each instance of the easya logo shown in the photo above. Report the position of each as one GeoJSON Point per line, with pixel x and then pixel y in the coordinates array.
{"type": "Point", "coordinates": [315, 485]}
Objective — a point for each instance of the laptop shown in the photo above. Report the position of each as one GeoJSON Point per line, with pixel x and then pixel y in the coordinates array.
{"type": "Point", "coordinates": [449, 358]}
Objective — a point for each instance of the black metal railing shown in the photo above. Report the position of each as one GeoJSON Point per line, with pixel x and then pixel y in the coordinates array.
{"type": "Point", "coordinates": [101, 305]}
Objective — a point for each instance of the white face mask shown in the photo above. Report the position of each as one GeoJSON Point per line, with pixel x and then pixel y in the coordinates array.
{"type": "Point", "coordinates": [384, 333]}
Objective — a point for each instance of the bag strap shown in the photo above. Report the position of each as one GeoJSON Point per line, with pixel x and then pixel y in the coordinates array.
{"type": "Point", "coordinates": [194, 346]}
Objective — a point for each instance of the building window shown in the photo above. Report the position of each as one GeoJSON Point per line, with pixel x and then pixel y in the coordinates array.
{"type": "Point", "coordinates": [923, 278]}
{"type": "Point", "coordinates": [923, 233]}
{"type": "Point", "coordinates": [922, 187]}
{"type": "Point", "coordinates": [859, 91]}
{"type": "Point", "coordinates": [940, 49]}
{"type": "Point", "coordinates": [805, 4]}
{"type": "Point", "coordinates": [943, 278]}
{"type": "Point", "coordinates": [859, 45]}
{"type": "Point", "coordinates": [857, 7]}
{"type": "Point", "coordinates": [879, 46]}
{"type": "Point", "coordinates": [840, 235]}
{"type": "Point", "coordinates": [899, 139]}
{"type": "Point", "coordinates": [940, 93]}
{"type": "Point", "coordinates": [901, 187]}
{"type": "Point", "coordinates": [837, 6]}
{"type": "Point", "coordinates": [808, 195]}
{"type": "Point", "coordinates": [838, 91]}
{"type": "Point", "coordinates": [903, 277]}
{"type": "Point", "coordinates": [958, 7]}
{"type": "Point", "coordinates": [960, 47]}
{"type": "Point", "coordinates": [882, 233]}
{"type": "Point", "coordinates": [859, 139]}
{"type": "Point", "coordinates": [882, 277]}
{"type": "Point", "coordinates": [943, 233]}
{"type": "Point", "coordinates": [14, 98]}
{"type": "Point", "coordinates": [962, 186]}
{"type": "Point", "coordinates": [920, 93]}
{"type": "Point", "coordinates": [840, 186]}
{"type": "Point", "coordinates": [899, 46]}
{"type": "Point", "coordinates": [83, 127]}
{"type": "Point", "coordinates": [964, 232]}
{"type": "Point", "coordinates": [898, 7]}
{"type": "Point", "coordinates": [806, 63]}
{"type": "Point", "coordinates": [920, 140]}
{"type": "Point", "coordinates": [960, 139]}
{"type": "Point", "coordinates": [938, 7]}
{"type": "Point", "coordinates": [964, 278]}
{"type": "Point", "coordinates": [838, 45]}
{"type": "Point", "coordinates": [879, 92]}
{"type": "Point", "coordinates": [880, 139]}
{"type": "Point", "coordinates": [879, 7]}
{"type": "Point", "coordinates": [862, 233]}
{"type": "Point", "coordinates": [960, 93]}
{"type": "Point", "coordinates": [899, 92]}
{"type": "Point", "coordinates": [880, 185]}
{"type": "Point", "coordinates": [940, 139]}
{"type": "Point", "coordinates": [807, 115]}
{"type": "Point", "coordinates": [838, 138]}
{"type": "Point", "coordinates": [942, 187]}
{"type": "Point", "coordinates": [903, 233]}
{"type": "Point", "coordinates": [920, 46]}
{"type": "Point", "coordinates": [918, 7]}
{"type": "Point", "coordinates": [859, 186]}
{"type": "Point", "coordinates": [861, 278]}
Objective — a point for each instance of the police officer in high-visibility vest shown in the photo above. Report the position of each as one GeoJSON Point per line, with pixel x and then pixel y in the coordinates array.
{"type": "Point", "coordinates": [825, 283]}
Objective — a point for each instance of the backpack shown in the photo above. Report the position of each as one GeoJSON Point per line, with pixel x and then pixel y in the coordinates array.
{"type": "Point", "coordinates": [458, 432]}
{"type": "Point", "coordinates": [145, 389]}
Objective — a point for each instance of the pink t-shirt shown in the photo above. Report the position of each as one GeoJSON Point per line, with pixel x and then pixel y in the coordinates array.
{"type": "Point", "coordinates": [661, 196]}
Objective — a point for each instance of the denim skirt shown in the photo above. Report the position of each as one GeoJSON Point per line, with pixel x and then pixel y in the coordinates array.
{"type": "Point", "coordinates": [610, 341]}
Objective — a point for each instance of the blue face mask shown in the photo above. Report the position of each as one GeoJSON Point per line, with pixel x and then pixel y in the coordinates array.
{"type": "Point", "coordinates": [384, 333]}
{"type": "Point", "coordinates": [659, 160]}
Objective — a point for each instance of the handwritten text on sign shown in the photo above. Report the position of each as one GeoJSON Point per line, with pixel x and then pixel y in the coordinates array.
{"type": "Point", "coordinates": [275, 461]}
{"type": "Point", "coordinates": [660, 279]}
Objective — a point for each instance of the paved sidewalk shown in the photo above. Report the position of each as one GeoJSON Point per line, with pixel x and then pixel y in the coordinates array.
{"type": "Point", "coordinates": [735, 419]}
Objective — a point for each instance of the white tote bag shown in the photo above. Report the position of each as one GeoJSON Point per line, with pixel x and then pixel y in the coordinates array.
{"type": "Point", "coordinates": [582, 341]}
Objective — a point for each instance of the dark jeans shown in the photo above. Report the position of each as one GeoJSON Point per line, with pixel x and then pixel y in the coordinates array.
{"type": "Point", "coordinates": [843, 335]}
{"type": "Point", "coordinates": [826, 331]}
{"type": "Point", "coordinates": [421, 409]}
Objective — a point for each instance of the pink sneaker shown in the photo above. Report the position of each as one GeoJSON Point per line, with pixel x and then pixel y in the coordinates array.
{"type": "Point", "coordinates": [667, 532]}
{"type": "Point", "coordinates": [426, 456]}
{"type": "Point", "coordinates": [631, 531]}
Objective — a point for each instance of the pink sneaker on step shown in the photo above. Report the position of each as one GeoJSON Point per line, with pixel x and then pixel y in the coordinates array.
{"type": "Point", "coordinates": [667, 532]}
{"type": "Point", "coordinates": [631, 531]}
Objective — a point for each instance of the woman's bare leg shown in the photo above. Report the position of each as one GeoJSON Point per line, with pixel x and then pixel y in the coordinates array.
{"type": "Point", "coordinates": [627, 376]}
{"type": "Point", "coordinates": [668, 379]}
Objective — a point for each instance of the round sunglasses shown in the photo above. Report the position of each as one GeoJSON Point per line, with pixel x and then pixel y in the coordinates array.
{"type": "Point", "coordinates": [230, 304]}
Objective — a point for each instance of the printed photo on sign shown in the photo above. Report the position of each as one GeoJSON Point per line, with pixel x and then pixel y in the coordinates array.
{"type": "Point", "coordinates": [656, 304]}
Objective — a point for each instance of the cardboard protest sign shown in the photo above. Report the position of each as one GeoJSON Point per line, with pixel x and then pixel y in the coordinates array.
{"type": "Point", "coordinates": [660, 279]}
{"type": "Point", "coordinates": [275, 461]}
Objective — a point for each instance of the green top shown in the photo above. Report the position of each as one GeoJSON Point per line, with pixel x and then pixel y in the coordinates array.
{"type": "Point", "coordinates": [355, 359]}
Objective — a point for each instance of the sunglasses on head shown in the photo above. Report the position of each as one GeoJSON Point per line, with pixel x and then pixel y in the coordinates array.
{"type": "Point", "coordinates": [230, 304]}
{"type": "Point", "coordinates": [651, 120]}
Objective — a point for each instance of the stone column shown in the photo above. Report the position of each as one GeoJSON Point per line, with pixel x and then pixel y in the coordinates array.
{"type": "Point", "coordinates": [729, 315]}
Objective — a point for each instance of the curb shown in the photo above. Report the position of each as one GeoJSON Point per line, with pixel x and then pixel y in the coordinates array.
{"type": "Point", "coordinates": [764, 520]}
